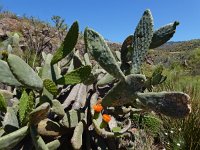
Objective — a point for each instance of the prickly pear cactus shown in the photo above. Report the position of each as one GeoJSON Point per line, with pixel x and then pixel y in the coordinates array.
{"type": "Point", "coordinates": [131, 86]}
{"type": "Point", "coordinates": [71, 102]}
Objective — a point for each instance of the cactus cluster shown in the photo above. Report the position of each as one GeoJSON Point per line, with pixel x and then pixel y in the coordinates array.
{"type": "Point", "coordinates": [61, 100]}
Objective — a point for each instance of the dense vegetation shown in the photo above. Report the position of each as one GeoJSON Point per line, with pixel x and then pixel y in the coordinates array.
{"type": "Point", "coordinates": [74, 101]}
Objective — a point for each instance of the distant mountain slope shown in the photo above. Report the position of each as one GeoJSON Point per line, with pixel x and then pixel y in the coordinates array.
{"type": "Point", "coordinates": [180, 46]}
{"type": "Point", "coordinates": [181, 52]}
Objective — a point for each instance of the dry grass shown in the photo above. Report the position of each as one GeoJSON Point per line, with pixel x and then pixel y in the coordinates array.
{"type": "Point", "coordinates": [183, 134]}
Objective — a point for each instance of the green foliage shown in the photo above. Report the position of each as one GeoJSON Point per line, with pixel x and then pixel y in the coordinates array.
{"type": "Point", "coordinates": [59, 22]}
{"type": "Point", "coordinates": [141, 41]}
{"type": "Point", "coordinates": [77, 76]}
{"type": "Point", "coordinates": [156, 78]}
{"type": "Point", "coordinates": [10, 140]}
{"type": "Point", "coordinates": [186, 131]}
{"type": "Point", "coordinates": [163, 34]}
{"type": "Point", "coordinates": [68, 45]}
{"type": "Point", "coordinates": [24, 73]}
{"type": "Point", "coordinates": [6, 75]}
{"type": "Point", "coordinates": [30, 57]}
{"type": "Point", "coordinates": [148, 122]}
{"type": "Point", "coordinates": [26, 105]}
{"type": "Point", "coordinates": [98, 48]}
{"type": "Point", "coordinates": [57, 102]}
{"type": "Point", "coordinates": [132, 86]}
{"type": "Point", "coordinates": [3, 103]}
{"type": "Point", "coordinates": [50, 86]}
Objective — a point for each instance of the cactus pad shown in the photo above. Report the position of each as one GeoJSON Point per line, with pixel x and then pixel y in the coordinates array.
{"type": "Point", "coordinates": [98, 48]}
{"type": "Point", "coordinates": [124, 92]}
{"type": "Point", "coordinates": [174, 104]}
{"type": "Point", "coordinates": [68, 44]}
{"type": "Point", "coordinates": [141, 40]}
{"type": "Point", "coordinates": [163, 34]}
{"type": "Point", "coordinates": [77, 76]}
{"type": "Point", "coordinates": [6, 75]}
{"type": "Point", "coordinates": [24, 73]}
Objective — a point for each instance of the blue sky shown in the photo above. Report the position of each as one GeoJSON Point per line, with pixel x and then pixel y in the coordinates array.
{"type": "Point", "coordinates": [114, 19]}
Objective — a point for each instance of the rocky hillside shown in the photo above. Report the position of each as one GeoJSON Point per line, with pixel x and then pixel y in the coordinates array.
{"type": "Point", "coordinates": [39, 36]}
{"type": "Point", "coordinates": [34, 31]}
{"type": "Point", "coordinates": [180, 46]}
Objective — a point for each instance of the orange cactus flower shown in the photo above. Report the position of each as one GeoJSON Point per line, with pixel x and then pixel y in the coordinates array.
{"type": "Point", "coordinates": [97, 108]}
{"type": "Point", "coordinates": [106, 118]}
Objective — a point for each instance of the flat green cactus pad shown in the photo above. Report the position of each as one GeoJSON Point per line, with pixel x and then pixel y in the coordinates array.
{"type": "Point", "coordinates": [24, 73]}
{"type": "Point", "coordinates": [3, 103]}
{"type": "Point", "coordinates": [68, 44]}
{"type": "Point", "coordinates": [173, 104]}
{"type": "Point", "coordinates": [107, 78]}
{"type": "Point", "coordinates": [124, 91]}
{"type": "Point", "coordinates": [50, 86]}
{"type": "Point", "coordinates": [163, 34]}
{"type": "Point", "coordinates": [141, 40]}
{"type": "Point", "coordinates": [72, 118]}
{"type": "Point", "coordinates": [126, 49]}
{"type": "Point", "coordinates": [76, 76]}
{"type": "Point", "coordinates": [26, 105]}
{"type": "Point", "coordinates": [9, 141]}
{"type": "Point", "coordinates": [98, 48]}
{"type": "Point", "coordinates": [10, 122]}
{"type": "Point", "coordinates": [77, 136]}
{"type": "Point", "coordinates": [6, 75]}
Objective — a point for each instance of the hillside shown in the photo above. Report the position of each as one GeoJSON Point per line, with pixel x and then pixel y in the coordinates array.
{"type": "Point", "coordinates": [39, 36]}
{"type": "Point", "coordinates": [70, 101]}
